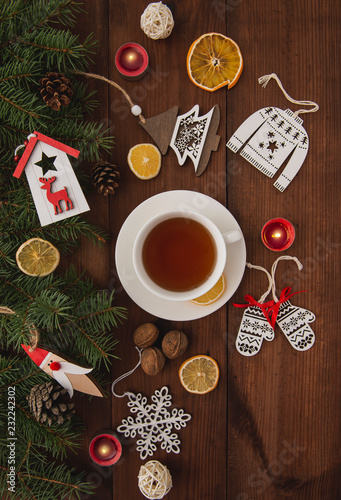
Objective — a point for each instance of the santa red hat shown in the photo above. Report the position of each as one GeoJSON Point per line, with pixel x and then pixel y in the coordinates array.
{"type": "Point", "coordinates": [38, 355]}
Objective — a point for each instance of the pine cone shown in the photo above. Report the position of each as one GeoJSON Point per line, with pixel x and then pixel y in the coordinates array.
{"type": "Point", "coordinates": [47, 404]}
{"type": "Point", "coordinates": [56, 90]}
{"type": "Point", "coordinates": [104, 176]}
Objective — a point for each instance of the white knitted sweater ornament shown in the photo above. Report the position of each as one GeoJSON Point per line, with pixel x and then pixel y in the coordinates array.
{"type": "Point", "coordinates": [270, 135]}
{"type": "Point", "coordinates": [157, 21]}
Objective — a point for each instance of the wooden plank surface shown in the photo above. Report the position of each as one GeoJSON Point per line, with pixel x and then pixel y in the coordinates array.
{"type": "Point", "coordinates": [272, 426]}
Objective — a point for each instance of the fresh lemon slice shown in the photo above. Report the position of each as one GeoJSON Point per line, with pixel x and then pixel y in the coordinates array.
{"type": "Point", "coordinates": [144, 160]}
{"type": "Point", "coordinates": [213, 294]}
{"type": "Point", "coordinates": [199, 374]}
{"type": "Point", "coordinates": [37, 257]}
{"type": "Point", "coordinates": [213, 61]}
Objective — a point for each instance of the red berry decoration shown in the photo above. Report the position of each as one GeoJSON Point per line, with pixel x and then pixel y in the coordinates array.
{"type": "Point", "coordinates": [25, 142]}
{"type": "Point", "coordinates": [16, 158]}
{"type": "Point", "coordinates": [55, 366]}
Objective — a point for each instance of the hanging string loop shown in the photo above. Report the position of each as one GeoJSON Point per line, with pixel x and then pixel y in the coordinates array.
{"type": "Point", "coordinates": [136, 110]}
{"type": "Point", "coordinates": [264, 80]}
{"type": "Point", "coordinates": [273, 271]}
{"type": "Point", "coordinates": [33, 331]}
{"type": "Point", "coordinates": [124, 376]}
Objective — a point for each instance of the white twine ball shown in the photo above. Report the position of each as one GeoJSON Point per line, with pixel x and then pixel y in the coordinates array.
{"type": "Point", "coordinates": [154, 480]}
{"type": "Point", "coordinates": [157, 21]}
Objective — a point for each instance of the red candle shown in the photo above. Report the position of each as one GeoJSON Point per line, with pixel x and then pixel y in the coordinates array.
{"type": "Point", "coordinates": [105, 449]}
{"type": "Point", "coordinates": [278, 234]}
{"type": "Point", "coordinates": [131, 60]}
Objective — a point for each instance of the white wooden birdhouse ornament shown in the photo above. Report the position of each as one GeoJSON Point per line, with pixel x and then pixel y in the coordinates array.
{"type": "Point", "coordinates": [54, 186]}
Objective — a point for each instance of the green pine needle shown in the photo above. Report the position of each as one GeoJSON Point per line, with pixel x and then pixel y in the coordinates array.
{"type": "Point", "coordinates": [70, 314]}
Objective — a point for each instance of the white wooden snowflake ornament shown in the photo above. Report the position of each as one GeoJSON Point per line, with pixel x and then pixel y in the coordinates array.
{"type": "Point", "coordinates": [154, 423]}
{"type": "Point", "coordinates": [54, 186]}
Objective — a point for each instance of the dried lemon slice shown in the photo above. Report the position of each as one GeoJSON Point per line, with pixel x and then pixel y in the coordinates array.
{"type": "Point", "coordinates": [37, 257]}
{"type": "Point", "coordinates": [212, 295]}
{"type": "Point", "coordinates": [213, 61]}
{"type": "Point", "coordinates": [199, 374]}
{"type": "Point", "coordinates": [144, 160]}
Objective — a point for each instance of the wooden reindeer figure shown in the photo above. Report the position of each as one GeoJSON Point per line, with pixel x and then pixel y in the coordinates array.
{"type": "Point", "coordinates": [57, 197]}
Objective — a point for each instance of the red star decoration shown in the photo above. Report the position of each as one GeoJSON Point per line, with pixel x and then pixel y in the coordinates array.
{"type": "Point", "coordinates": [272, 146]}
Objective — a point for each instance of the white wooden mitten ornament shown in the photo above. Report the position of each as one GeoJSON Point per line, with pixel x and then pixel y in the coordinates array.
{"type": "Point", "coordinates": [153, 422]}
{"type": "Point", "coordinates": [54, 186]}
{"type": "Point", "coordinates": [255, 325]}
{"type": "Point", "coordinates": [292, 320]}
{"type": "Point", "coordinates": [269, 136]}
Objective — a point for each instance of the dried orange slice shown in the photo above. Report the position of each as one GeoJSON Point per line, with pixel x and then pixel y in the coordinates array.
{"type": "Point", "coordinates": [144, 160]}
{"type": "Point", "coordinates": [199, 374]}
{"type": "Point", "coordinates": [212, 295]}
{"type": "Point", "coordinates": [213, 61]}
{"type": "Point", "coordinates": [37, 257]}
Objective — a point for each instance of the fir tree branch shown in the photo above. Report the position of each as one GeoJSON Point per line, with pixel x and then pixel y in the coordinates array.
{"type": "Point", "coordinates": [17, 382]}
{"type": "Point", "coordinates": [21, 108]}
{"type": "Point", "coordinates": [25, 456]}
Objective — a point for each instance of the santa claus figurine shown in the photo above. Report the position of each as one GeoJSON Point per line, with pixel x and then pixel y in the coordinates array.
{"type": "Point", "coordinates": [68, 375]}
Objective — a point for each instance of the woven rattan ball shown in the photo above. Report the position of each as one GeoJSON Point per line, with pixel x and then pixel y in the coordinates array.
{"type": "Point", "coordinates": [157, 21]}
{"type": "Point", "coordinates": [154, 480]}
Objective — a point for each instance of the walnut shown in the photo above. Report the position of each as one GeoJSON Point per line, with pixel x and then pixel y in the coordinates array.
{"type": "Point", "coordinates": [174, 344]}
{"type": "Point", "coordinates": [152, 360]}
{"type": "Point", "coordinates": [145, 335]}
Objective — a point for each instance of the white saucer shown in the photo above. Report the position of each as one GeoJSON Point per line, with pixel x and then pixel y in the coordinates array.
{"type": "Point", "coordinates": [175, 200]}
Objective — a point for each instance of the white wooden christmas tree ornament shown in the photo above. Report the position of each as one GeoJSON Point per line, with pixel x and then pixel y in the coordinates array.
{"type": "Point", "coordinates": [54, 186]}
{"type": "Point", "coordinates": [270, 135]}
{"type": "Point", "coordinates": [189, 135]}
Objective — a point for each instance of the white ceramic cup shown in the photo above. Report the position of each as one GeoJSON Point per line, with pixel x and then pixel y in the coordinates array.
{"type": "Point", "coordinates": [220, 240]}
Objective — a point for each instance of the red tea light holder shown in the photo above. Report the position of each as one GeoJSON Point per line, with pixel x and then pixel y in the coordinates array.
{"type": "Point", "coordinates": [278, 234]}
{"type": "Point", "coordinates": [131, 61]}
{"type": "Point", "coordinates": [105, 449]}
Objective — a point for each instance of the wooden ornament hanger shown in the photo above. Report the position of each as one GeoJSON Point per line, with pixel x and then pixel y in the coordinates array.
{"type": "Point", "coordinates": [189, 135]}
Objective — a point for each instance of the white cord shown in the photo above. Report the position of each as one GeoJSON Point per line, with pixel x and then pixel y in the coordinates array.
{"type": "Point", "coordinates": [23, 145]}
{"type": "Point", "coordinates": [124, 376]}
{"type": "Point", "coordinates": [273, 271]}
{"type": "Point", "coordinates": [264, 80]}
{"type": "Point", "coordinates": [263, 297]}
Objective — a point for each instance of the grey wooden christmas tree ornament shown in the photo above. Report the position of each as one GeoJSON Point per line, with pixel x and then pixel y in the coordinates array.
{"type": "Point", "coordinates": [270, 136]}
{"type": "Point", "coordinates": [189, 135]}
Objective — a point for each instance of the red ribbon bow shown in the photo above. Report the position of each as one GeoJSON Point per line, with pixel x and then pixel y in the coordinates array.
{"type": "Point", "coordinates": [285, 295]}
{"type": "Point", "coordinates": [265, 306]}
{"type": "Point", "coordinates": [270, 309]}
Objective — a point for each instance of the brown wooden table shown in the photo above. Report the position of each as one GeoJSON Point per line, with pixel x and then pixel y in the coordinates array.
{"type": "Point", "coordinates": [272, 426]}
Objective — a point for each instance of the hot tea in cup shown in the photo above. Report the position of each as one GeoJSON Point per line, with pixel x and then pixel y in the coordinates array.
{"type": "Point", "coordinates": [180, 255]}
